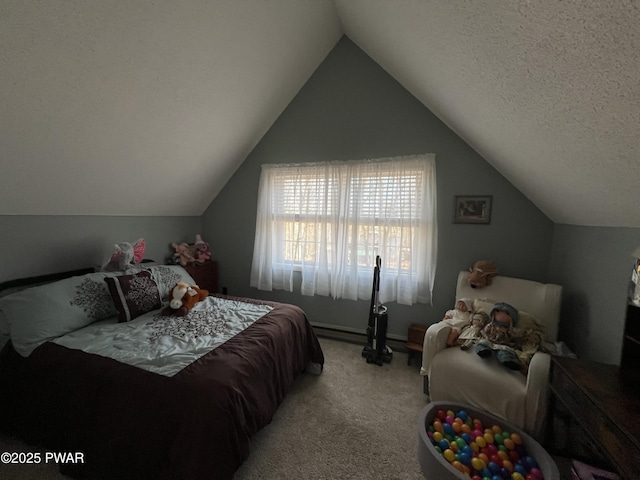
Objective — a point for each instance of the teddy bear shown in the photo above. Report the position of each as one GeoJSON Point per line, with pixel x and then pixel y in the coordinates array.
{"type": "Point", "coordinates": [482, 272]}
{"type": "Point", "coordinates": [183, 298]}
{"type": "Point", "coordinates": [183, 254]}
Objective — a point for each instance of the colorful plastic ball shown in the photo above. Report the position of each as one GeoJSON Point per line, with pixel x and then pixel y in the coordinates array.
{"type": "Point", "coordinates": [508, 465]}
{"type": "Point", "coordinates": [497, 437]}
{"type": "Point", "coordinates": [449, 419]}
{"type": "Point", "coordinates": [466, 437]}
{"type": "Point", "coordinates": [437, 426]}
{"type": "Point", "coordinates": [448, 429]}
{"type": "Point", "coordinates": [535, 471]}
{"type": "Point", "coordinates": [437, 436]}
{"type": "Point", "coordinates": [444, 444]}
{"type": "Point", "coordinates": [493, 467]}
{"type": "Point", "coordinates": [521, 469]}
{"type": "Point", "coordinates": [509, 443]}
{"type": "Point", "coordinates": [478, 464]}
{"type": "Point", "coordinates": [517, 476]}
{"type": "Point", "coordinates": [517, 439]}
{"type": "Point", "coordinates": [488, 437]}
{"type": "Point", "coordinates": [481, 441]}
{"type": "Point", "coordinates": [441, 414]}
{"type": "Point", "coordinates": [531, 462]}
{"type": "Point", "coordinates": [449, 455]}
{"type": "Point", "coordinates": [465, 458]}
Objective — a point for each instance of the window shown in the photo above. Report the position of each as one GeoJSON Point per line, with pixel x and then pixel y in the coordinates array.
{"type": "Point", "coordinates": [330, 220]}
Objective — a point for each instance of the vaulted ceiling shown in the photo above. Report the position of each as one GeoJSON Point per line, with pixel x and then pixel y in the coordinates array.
{"type": "Point", "coordinates": [147, 108]}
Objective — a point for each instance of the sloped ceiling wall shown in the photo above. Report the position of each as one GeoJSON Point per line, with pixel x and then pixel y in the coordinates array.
{"type": "Point", "coordinates": [147, 108]}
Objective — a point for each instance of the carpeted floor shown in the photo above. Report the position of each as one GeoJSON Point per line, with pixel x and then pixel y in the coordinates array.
{"type": "Point", "coordinates": [355, 421]}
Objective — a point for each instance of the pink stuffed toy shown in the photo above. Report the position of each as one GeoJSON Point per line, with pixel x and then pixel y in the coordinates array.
{"type": "Point", "coordinates": [202, 249]}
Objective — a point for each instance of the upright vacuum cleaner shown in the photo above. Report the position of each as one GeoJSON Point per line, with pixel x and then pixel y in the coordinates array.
{"type": "Point", "coordinates": [376, 350]}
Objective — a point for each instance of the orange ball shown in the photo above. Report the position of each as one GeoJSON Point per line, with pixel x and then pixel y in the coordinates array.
{"type": "Point", "coordinates": [517, 439]}
{"type": "Point", "coordinates": [508, 465]}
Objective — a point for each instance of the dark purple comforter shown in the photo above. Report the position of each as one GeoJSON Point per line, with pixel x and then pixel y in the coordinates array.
{"type": "Point", "coordinates": [131, 423]}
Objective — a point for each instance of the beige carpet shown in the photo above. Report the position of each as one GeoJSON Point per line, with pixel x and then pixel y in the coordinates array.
{"type": "Point", "coordinates": [354, 421]}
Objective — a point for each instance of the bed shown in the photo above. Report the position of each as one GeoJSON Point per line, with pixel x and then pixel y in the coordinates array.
{"type": "Point", "coordinates": [90, 365]}
{"type": "Point", "coordinates": [456, 375]}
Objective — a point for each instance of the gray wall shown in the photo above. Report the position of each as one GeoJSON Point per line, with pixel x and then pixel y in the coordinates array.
{"type": "Point", "coordinates": [594, 265]}
{"type": "Point", "coordinates": [350, 108]}
{"type": "Point", "coordinates": [37, 245]}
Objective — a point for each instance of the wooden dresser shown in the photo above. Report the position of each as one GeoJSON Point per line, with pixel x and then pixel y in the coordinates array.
{"type": "Point", "coordinates": [205, 274]}
{"type": "Point", "coordinates": [604, 400]}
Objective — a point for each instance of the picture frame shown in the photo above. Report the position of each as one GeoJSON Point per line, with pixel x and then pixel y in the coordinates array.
{"type": "Point", "coordinates": [472, 209]}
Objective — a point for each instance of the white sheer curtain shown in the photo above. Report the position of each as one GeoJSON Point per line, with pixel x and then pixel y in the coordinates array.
{"type": "Point", "coordinates": [329, 221]}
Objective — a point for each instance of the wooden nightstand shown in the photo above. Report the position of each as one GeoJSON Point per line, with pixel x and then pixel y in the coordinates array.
{"type": "Point", "coordinates": [415, 339]}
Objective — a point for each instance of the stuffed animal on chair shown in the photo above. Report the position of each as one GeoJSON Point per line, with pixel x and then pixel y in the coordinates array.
{"type": "Point", "coordinates": [183, 298]}
{"type": "Point", "coordinates": [481, 273]}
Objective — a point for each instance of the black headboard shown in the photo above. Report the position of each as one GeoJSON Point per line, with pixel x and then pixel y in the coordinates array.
{"type": "Point", "coordinates": [21, 283]}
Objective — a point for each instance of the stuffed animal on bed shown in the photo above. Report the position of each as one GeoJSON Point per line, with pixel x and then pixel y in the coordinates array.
{"type": "Point", "coordinates": [183, 298]}
{"type": "Point", "coordinates": [482, 272]}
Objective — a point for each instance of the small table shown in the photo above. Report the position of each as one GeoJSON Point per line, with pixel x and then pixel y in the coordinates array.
{"type": "Point", "coordinates": [415, 339]}
{"type": "Point", "coordinates": [603, 400]}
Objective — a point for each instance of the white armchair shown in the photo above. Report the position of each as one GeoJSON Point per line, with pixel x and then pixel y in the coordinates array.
{"type": "Point", "coordinates": [456, 375]}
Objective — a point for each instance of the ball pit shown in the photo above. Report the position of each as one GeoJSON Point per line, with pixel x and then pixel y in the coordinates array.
{"type": "Point", "coordinates": [480, 446]}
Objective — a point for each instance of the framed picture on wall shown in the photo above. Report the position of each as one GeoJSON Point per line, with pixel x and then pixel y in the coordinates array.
{"type": "Point", "coordinates": [472, 209]}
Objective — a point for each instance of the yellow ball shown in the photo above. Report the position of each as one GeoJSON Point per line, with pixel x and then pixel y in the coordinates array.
{"type": "Point", "coordinates": [449, 455]}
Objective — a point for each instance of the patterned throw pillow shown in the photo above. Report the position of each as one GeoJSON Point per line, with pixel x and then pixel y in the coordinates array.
{"type": "Point", "coordinates": [134, 295]}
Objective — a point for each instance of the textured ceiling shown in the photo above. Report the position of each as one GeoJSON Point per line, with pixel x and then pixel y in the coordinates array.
{"type": "Point", "coordinates": [107, 106]}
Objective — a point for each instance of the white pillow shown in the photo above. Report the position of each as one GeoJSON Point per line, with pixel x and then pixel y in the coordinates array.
{"type": "Point", "coordinates": [165, 276]}
{"type": "Point", "coordinates": [38, 314]}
